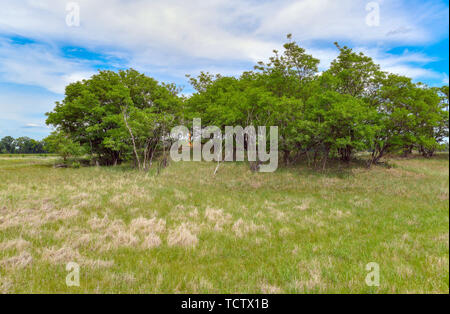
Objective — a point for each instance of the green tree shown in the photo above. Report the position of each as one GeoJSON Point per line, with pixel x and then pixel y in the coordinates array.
{"type": "Point", "coordinates": [288, 74]}
{"type": "Point", "coordinates": [354, 74]}
{"type": "Point", "coordinates": [432, 116]}
{"type": "Point", "coordinates": [8, 145]}
{"type": "Point", "coordinates": [95, 112]}
{"type": "Point", "coordinates": [409, 115]}
{"type": "Point", "coordinates": [340, 123]}
{"type": "Point", "coordinates": [61, 144]}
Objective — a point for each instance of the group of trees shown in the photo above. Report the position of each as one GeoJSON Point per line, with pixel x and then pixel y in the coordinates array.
{"type": "Point", "coordinates": [21, 145]}
{"type": "Point", "coordinates": [116, 116]}
{"type": "Point", "coordinates": [351, 107]}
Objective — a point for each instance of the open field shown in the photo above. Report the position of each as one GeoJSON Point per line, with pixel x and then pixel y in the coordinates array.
{"type": "Point", "coordinates": [187, 231]}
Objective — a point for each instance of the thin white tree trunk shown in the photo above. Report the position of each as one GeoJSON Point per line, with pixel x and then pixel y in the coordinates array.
{"type": "Point", "coordinates": [132, 139]}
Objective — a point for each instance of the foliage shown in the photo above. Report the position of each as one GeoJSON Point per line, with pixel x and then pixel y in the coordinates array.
{"type": "Point", "coordinates": [21, 145]}
{"type": "Point", "coordinates": [61, 144]}
{"type": "Point", "coordinates": [96, 112]}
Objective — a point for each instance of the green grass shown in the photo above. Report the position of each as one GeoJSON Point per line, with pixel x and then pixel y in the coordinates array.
{"type": "Point", "coordinates": [293, 231]}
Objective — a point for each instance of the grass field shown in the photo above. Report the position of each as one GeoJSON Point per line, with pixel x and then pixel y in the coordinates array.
{"type": "Point", "coordinates": [187, 231]}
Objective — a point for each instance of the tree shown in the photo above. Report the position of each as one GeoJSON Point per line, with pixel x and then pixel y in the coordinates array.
{"type": "Point", "coordinates": [61, 144]}
{"type": "Point", "coordinates": [340, 123]}
{"type": "Point", "coordinates": [21, 145]}
{"type": "Point", "coordinates": [409, 115]}
{"type": "Point", "coordinates": [355, 74]}
{"type": "Point", "coordinates": [394, 121]}
{"type": "Point", "coordinates": [432, 117]}
{"type": "Point", "coordinates": [95, 112]}
{"type": "Point", "coordinates": [353, 106]}
{"type": "Point", "coordinates": [287, 74]}
{"type": "Point", "coordinates": [443, 93]}
{"type": "Point", "coordinates": [338, 115]}
{"type": "Point", "coordinates": [8, 144]}
{"type": "Point", "coordinates": [287, 79]}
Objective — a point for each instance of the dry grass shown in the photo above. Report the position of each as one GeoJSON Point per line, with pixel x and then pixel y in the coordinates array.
{"type": "Point", "coordinates": [187, 231]}
{"type": "Point", "coordinates": [22, 260]}
{"type": "Point", "coordinates": [18, 244]}
{"type": "Point", "coordinates": [66, 255]}
{"type": "Point", "coordinates": [182, 236]}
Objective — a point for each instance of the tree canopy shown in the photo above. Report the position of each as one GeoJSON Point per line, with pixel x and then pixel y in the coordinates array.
{"type": "Point", "coordinates": [117, 116]}
{"type": "Point", "coordinates": [353, 106]}
{"type": "Point", "coordinates": [21, 145]}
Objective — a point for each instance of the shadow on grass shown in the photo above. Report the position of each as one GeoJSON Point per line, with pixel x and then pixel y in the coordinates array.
{"type": "Point", "coordinates": [334, 168]}
{"type": "Point", "coordinates": [437, 156]}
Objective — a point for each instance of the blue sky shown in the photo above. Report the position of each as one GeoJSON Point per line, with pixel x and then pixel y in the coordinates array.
{"type": "Point", "coordinates": [40, 53]}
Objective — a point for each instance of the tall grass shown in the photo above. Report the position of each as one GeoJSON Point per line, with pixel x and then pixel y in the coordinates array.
{"type": "Point", "coordinates": [186, 230]}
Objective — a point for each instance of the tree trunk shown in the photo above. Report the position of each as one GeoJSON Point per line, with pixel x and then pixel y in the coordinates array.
{"type": "Point", "coordinates": [377, 154]}
{"type": "Point", "coordinates": [132, 139]}
{"type": "Point", "coordinates": [286, 154]}
{"type": "Point", "coordinates": [325, 159]}
{"type": "Point", "coordinates": [346, 154]}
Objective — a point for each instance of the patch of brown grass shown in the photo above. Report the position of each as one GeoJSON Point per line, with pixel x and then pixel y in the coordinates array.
{"type": "Point", "coordinates": [270, 289]}
{"type": "Point", "coordinates": [218, 218]}
{"type": "Point", "coordinates": [182, 236]}
{"type": "Point", "coordinates": [18, 244]}
{"type": "Point", "coordinates": [24, 259]}
{"type": "Point", "coordinates": [34, 217]}
{"type": "Point", "coordinates": [66, 254]}
{"type": "Point", "coordinates": [241, 227]}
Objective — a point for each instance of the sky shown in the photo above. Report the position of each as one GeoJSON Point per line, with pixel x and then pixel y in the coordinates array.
{"type": "Point", "coordinates": [47, 44]}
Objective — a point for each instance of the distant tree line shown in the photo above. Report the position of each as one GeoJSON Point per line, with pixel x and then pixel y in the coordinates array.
{"type": "Point", "coordinates": [21, 145]}
{"type": "Point", "coordinates": [354, 106]}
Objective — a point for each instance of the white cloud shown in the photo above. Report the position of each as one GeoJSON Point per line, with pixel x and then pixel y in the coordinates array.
{"type": "Point", "coordinates": [22, 110]}
{"type": "Point", "coordinates": [403, 22]}
{"type": "Point", "coordinates": [231, 29]}
{"type": "Point", "coordinates": [413, 72]}
{"type": "Point", "coordinates": [39, 65]}
{"type": "Point", "coordinates": [172, 38]}
{"type": "Point", "coordinates": [411, 64]}
{"type": "Point", "coordinates": [35, 126]}
{"type": "Point", "coordinates": [168, 39]}
{"type": "Point", "coordinates": [408, 63]}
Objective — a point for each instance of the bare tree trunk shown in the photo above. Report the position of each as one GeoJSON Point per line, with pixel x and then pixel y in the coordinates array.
{"type": "Point", "coordinates": [308, 157]}
{"type": "Point", "coordinates": [147, 147]}
{"type": "Point", "coordinates": [132, 138]}
{"type": "Point", "coordinates": [163, 163]}
{"type": "Point", "coordinates": [286, 154]}
{"type": "Point", "coordinates": [327, 152]}
{"type": "Point", "coordinates": [218, 160]}
{"type": "Point", "coordinates": [315, 157]}
{"type": "Point", "coordinates": [151, 157]}
{"type": "Point", "coordinates": [377, 154]}
{"type": "Point", "coordinates": [427, 153]}
{"type": "Point", "coordinates": [217, 168]}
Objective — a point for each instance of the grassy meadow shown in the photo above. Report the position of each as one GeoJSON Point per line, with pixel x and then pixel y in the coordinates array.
{"type": "Point", "coordinates": [188, 231]}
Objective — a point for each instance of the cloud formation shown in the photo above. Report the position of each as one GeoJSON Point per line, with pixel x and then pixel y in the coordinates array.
{"type": "Point", "coordinates": [168, 39]}
{"type": "Point", "coordinates": [165, 36]}
{"type": "Point", "coordinates": [40, 65]}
